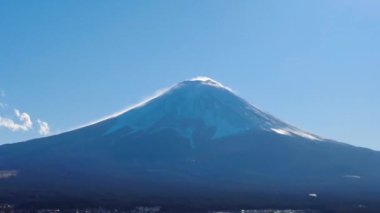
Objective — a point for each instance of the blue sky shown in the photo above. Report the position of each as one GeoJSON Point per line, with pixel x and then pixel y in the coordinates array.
{"type": "Point", "coordinates": [314, 64]}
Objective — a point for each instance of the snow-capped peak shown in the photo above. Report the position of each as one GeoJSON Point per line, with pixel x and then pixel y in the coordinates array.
{"type": "Point", "coordinates": [201, 106]}
{"type": "Point", "coordinates": [208, 81]}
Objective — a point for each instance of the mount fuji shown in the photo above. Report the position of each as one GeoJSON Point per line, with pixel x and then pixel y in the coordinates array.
{"type": "Point", "coordinates": [202, 106]}
{"type": "Point", "coordinates": [194, 147]}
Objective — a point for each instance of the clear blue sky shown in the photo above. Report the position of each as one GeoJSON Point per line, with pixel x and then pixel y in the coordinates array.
{"type": "Point", "coordinates": [314, 64]}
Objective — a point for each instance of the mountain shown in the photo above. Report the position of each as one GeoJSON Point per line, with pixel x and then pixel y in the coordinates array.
{"type": "Point", "coordinates": [203, 107]}
{"type": "Point", "coordinates": [196, 146]}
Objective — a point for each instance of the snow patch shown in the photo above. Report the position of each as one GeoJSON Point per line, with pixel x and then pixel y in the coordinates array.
{"type": "Point", "coordinates": [5, 174]}
{"type": "Point", "coordinates": [313, 195]}
{"type": "Point", "coordinates": [293, 131]}
{"type": "Point", "coordinates": [210, 81]}
{"type": "Point", "coordinates": [352, 176]}
{"type": "Point", "coordinates": [281, 131]}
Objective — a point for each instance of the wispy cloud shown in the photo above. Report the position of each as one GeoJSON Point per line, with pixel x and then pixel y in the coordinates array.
{"type": "Point", "coordinates": [25, 125]}
{"type": "Point", "coordinates": [142, 103]}
{"type": "Point", "coordinates": [43, 127]}
{"type": "Point", "coordinates": [10, 124]}
{"type": "Point", "coordinates": [20, 121]}
{"type": "Point", "coordinates": [25, 118]}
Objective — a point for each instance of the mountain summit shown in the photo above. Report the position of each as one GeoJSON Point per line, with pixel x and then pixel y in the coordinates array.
{"type": "Point", "coordinates": [195, 147]}
{"type": "Point", "coordinates": [201, 107]}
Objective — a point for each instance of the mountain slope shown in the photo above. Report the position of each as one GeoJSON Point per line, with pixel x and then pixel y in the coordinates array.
{"type": "Point", "coordinates": [195, 146]}
{"type": "Point", "coordinates": [199, 105]}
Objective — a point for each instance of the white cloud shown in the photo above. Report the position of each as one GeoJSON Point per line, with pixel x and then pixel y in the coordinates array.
{"type": "Point", "coordinates": [13, 126]}
{"type": "Point", "coordinates": [43, 127]}
{"type": "Point", "coordinates": [23, 121]}
{"type": "Point", "coordinates": [25, 118]}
